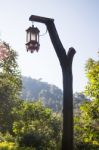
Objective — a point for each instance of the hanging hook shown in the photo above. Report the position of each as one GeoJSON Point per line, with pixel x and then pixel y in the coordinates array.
{"type": "Point", "coordinates": [44, 32]}
{"type": "Point", "coordinates": [32, 23]}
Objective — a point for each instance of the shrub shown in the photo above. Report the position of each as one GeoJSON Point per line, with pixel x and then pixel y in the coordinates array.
{"type": "Point", "coordinates": [7, 146]}
{"type": "Point", "coordinates": [8, 137]}
{"type": "Point", "coordinates": [85, 146]}
{"type": "Point", "coordinates": [29, 140]}
{"type": "Point", "coordinates": [1, 137]}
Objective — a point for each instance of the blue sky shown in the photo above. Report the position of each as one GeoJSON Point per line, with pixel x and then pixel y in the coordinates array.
{"type": "Point", "coordinates": [77, 23]}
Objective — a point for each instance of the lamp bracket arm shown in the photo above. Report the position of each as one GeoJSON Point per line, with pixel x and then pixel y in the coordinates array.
{"type": "Point", "coordinates": [40, 19]}
{"type": "Point", "coordinates": [59, 49]}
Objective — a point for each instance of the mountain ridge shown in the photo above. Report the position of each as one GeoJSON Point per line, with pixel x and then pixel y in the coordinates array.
{"type": "Point", "coordinates": [51, 95]}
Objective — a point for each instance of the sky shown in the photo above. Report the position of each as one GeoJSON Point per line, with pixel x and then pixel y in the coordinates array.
{"type": "Point", "coordinates": [77, 23]}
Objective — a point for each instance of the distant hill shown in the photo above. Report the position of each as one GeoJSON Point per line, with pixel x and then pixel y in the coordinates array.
{"type": "Point", "coordinates": [50, 95]}
{"type": "Point", "coordinates": [35, 89]}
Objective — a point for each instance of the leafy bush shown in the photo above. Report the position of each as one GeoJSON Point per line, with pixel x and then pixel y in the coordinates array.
{"type": "Point", "coordinates": [8, 137]}
{"type": "Point", "coordinates": [36, 141]}
{"type": "Point", "coordinates": [12, 146]}
{"type": "Point", "coordinates": [1, 137]}
{"type": "Point", "coordinates": [7, 146]}
{"type": "Point", "coordinates": [24, 148]}
{"type": "Point", "coordinates": [38, 127]}
{"type": "Point", "coordinates": [30, 140]}
{"type": "Point", "coordinates": [86, 146]}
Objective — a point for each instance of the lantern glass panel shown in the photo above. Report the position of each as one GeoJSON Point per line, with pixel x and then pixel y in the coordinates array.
{"type": "Point", "coordinates": [33, 36]}
{"type": "Point", "coordinates": [28, 37]}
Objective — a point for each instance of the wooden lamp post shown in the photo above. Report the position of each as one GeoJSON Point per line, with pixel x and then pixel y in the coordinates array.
{"type": "Point", "coordinates": [66, 66]}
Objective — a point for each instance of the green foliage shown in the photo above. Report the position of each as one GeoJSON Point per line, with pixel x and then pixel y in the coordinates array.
{"type": "Point", "coordinates": [40, 124]}
{"type": "Point", "coordinates": [24, 148]}
{"type": "Point", "coordinates": [10, 86]}
{"type": "Point", "coordinates": [8, 137]}
{"type": "Point", "coordinates": [85, 146]}
{"type": "Point", "coordinates": [1, 137]}
{"type": "Point", "coordinates": [12, 146]}
{"type": "Point", "coordinates": [7, 146]}
{"type": "Point", "coordinates": [92, 73]}
{"type": "Point", "coordinates": [87, 124]}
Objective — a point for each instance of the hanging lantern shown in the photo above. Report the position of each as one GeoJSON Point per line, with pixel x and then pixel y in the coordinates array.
{"type": "Point", "coordinates": [32, 39]}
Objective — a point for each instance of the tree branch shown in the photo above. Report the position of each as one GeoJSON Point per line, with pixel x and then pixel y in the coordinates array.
{"type": "Point", "coordinates": [70, 54]}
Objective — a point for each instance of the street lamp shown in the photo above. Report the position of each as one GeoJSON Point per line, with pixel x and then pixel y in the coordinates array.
{"type": "Point", "coordinates": [66, 66]}
{"type": "Point", "coordinates": [32, 39]}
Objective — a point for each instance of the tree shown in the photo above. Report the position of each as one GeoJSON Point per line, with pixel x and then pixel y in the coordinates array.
{"type": "Point", "coordinates": [92, 73]}
{"type": "Point", "coordinates": [10, 85]}
{"type": "Point", "coordinates": [38, 124]}
{"type": "Point", "coordinates": [87, 125]}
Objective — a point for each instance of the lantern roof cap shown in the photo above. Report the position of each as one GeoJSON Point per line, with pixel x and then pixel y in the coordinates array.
{"type": "Point", "coordinates": [33, 29]}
